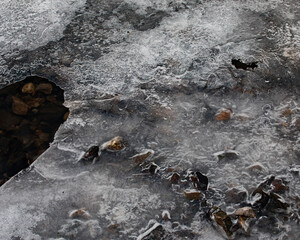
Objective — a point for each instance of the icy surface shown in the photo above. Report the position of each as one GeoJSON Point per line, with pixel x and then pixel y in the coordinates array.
{"type": "Point", "coordinates": [154, 72]}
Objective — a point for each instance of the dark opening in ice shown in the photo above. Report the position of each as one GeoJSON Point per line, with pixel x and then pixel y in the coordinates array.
{"type": "Point", "coordinates": [31, 111]}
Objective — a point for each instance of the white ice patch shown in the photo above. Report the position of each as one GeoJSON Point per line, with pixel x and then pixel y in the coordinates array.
{"type": "Point", "coordinates": [29, 24]}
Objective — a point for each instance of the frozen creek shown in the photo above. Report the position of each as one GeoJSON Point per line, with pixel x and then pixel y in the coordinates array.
{"type": "Point", "coordinates": [157, 73]}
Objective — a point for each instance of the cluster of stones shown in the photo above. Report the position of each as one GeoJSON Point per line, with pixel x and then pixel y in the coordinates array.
{"type": "Point", "coordinates": [31, 112]}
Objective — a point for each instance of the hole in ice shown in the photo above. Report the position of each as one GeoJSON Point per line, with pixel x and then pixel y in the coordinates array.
{"type": "Point", "coordinates": [240, 65]}
{"type": "Point", "coordinates": [31, 112]}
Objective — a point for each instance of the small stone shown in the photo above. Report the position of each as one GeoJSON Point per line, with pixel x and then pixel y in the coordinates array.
{"type": "Point", "coordinates": [245, 212]}
{"type": "Point", "coordinates": [277, 203]}
{"type": "Point", "coordinates": [151, 168]}
{"type": "Point", "coordinates": [256, 168]}
{"type": "Point", "coordinates": [112, 228]}
{"type": "Point", "coordinates": [224, 114]}
{"type": "Point", "coordinates": [222, 219]}
{"type": "Point", "coordinates": [79, 213]}
{"type": "Point", "coordinates": [115, 144]}
{"type": "Point", "coordinates": [236, 195]}
{"type": "Point", "coordinates": [45, 88]}
{"type": "Point", "coordinates": [90, 154]}
{"type": "Point", "coordinates": [287, 112]}
{"type": "Point", "coordinates": [141, 157]}
{"type": "Point", "coordinates": [244, 225]}
{"type": "Point", "coordinates": [279, 186]}
{"type": "Point", "coordinates": [166, 215]}
{"type": "Point", "coordinates": [227, 155]}
{"type": "Point", "coordinates": [19, 107]}
{"type": "Point", "coordinates": [28, 88]}
{"type": "Point", "coordinates": [192, 194]}
{"type": "Point", "coordinates": [174, 178]}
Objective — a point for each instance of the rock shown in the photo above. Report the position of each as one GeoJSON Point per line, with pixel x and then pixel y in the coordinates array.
{"type": "Point", "coordinates": [199, 180]}
{"type": "Point", "coordinates": [90, 154]}
{"type": "Point", "coordinates": [278, 186]}
{"type": "Point", "coordinates": [166, 215]}
{"type": "Point", "coordinates": [79, 213]}
{"type": "Point", "coordinates": [115, 144]}
{"type": "Point", "coordinates": [227, 155]}
{"type": "Point", "coordinates": [113, 228]}
{"type": "Point", "coordinates": [28, 88]}
{"type": "Point", "coordinates": [45, 88]}
{"type": "Point", "coordinates": [236, 195]}
{"type": "Point", "coordinates": [222, 219]}
{"type": "Point", "coordinates": [277, 203]}
{"type": "Point", "coordinates": [151, 168]}
{"type": "Point", "coordinates": [19, 107]}
{"type": "Point", "coordinates": [244, 224]}
{"type": "Point", "coordinates": [256, 168]}
{"type": "Point", "coordinates": [224, 114]}
{"type": "Point", "coordinates": [174, 178]}
{"type": "Point", "coordinates": [245, 212]}
{"type": "Point", "coordinates": [33, 102]}
{"type": "Point", "coordinates": [192, 194]}
{"type": "Point", "coordinates": [261, 199]}
{"type": "Point", "coordinates": [141, 157]}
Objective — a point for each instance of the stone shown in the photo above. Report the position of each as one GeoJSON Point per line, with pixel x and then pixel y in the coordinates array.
{"type": "Point", "coordinates": [115, 144]}
{"type": "Point", "coordinates": [223, 114]}
{"type": "Point", "coordinates": [141, 157]}
{"type": "Point", "coordinates": [278, 186]}
{"type": "Point", "coordinates": [19, 107]}
{"type": "Point", "coordinates": [236, 195]}
{"type": "Point", "coordinates": [79, 213]}
{"type": "Point", "coordinates": [192, 194]}
{"type": "Point", "coordinates": [90, 154]}
{"type": "Point", "coordinates": [245, 212]}
{"type": "Point", "coordinates": [222, 219]}
{"type": "Point", "coordinates": [45, 88]}
{"type": "Point", "coordinates": [227, 155]}
{"type": "Point", "coordinates": [28, 88]}
{"type": "Point", "coordinates": [174, 178]}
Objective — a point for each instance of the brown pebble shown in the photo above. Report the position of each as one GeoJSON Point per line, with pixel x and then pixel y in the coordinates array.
{"type": "Point", "coordinates": [245, 212]}
{"type": "Point", "coordinates": [192, 194]}
{"type": "Point", "coordinates": [45, 88]}
{"type": "Point", "coordinates": [19, 107]}
{"type": "Point", "coordinates": [224, 114]}
{"type": "Point", "coordinates": [28, 88]}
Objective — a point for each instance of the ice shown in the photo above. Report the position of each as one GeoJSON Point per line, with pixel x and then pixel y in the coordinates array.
{"type": "Point", "coordinates": [159, 86]}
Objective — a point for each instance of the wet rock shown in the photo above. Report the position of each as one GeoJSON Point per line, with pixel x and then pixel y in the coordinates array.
{"type": "Point", "coordinates": [141, 157]}
{"type": "Point", "coordinates": [151, 168]}
{"type": "Point", "coordinates": [90, 154]}
{"type": "Point", "coordinates": [79, 213]}
{"type": "Point", "coordinates": [174, 178]}
{"type": "Point", "coordinates": [236, 195]}
{"type": "Point", "coordinates": [222, 219]}
{"type": "Point", "coordinates": [277, 203]}
{"type": "Point", "coordinates": [227, 155]}
{"type": "Point", "coordinates": [261, 199]}
{"type": "Point", "coordinates": [28, 88]}
{"type": "Point", "coordinates": [256, 168]}
{"type": "Point", "coordinates": [33, 102]}
{"type": "Point", "coordinates": [113, 145]}
{"type": "Point", "coordinates": [45, 88]}
{"type": "Point", "coordinates": [198, 180]}
{"type": "Point", "coordinates": [192, 194]}
{"type": "Point", "coordinates": [113, 228]}
{"type": "Point", "coordinates": [243, 223]}
{"type": "Point", "coordinates": [245, 212]}
{"type": "Point", "coordinates": [278, 186]}
{"type": "Point", "coordinates": [223, 114]}
{"type": "Point", "coordinates": [19, 107]}
{"type": "Point", "coordinates": [166, 215]}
